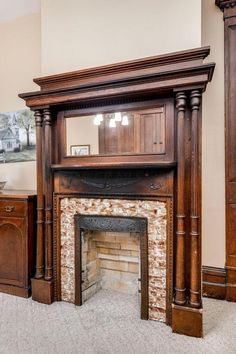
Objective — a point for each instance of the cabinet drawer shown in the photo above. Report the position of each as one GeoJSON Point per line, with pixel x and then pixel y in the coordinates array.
{"type": "Point", "coordinates": [9, 207]}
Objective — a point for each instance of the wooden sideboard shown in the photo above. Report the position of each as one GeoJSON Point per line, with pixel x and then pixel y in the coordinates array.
{"type": "Point", "coordinates": [17, 241]}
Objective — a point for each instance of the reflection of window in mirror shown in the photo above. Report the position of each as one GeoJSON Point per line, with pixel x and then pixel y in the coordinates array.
{"type": "Point", "coordinates": [118, 133]}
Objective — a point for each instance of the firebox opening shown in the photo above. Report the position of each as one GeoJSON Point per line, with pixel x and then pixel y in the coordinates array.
{"type": "Point", "coordinates": [110, 260]}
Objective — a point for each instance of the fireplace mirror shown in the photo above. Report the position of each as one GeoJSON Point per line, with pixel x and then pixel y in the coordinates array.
{"type": "Point", "coordinates": [117, 133]}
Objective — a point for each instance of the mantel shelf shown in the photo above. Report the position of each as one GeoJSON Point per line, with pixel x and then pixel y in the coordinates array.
{"type": "Point", "coordinates": [130, 165]}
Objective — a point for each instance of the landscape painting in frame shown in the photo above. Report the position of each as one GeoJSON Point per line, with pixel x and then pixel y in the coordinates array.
{"type": "Point", "coordinates": [17, 136]}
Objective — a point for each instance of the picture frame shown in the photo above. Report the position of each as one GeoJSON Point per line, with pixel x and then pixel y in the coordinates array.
{"type": "Point", "coordinates": [80, 150]}
{"type": "Point", "coordinates": [17, 136]}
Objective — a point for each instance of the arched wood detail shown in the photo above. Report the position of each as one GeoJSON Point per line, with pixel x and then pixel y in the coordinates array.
{"type": "Point", "coordinates": [11, 242]}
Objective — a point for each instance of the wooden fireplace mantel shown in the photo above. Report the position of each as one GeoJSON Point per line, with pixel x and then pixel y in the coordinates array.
{"type": "Point", "coordinates": [175, 81]}
{"type": "Point", "coordinates": [158, 74]}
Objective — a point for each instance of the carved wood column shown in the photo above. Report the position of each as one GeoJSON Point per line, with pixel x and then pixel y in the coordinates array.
{"type": "Point", "coordinates": [229, 9]}
{"type": "Point", "coordinates": [48, 190]}
{"type": "Point", "coordinates": [187, 306]}
{"type": "Point", "coordinates": [180, 286]}
{"type": "Point", "coordinates": [195, 272]}
{"type": "Point", "coordinates": [40, 198]}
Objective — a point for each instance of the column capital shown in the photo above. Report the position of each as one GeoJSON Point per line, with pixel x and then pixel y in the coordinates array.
{"type": "Point", "coordinates": [47, 118]}
{"type": "Point", "coordinates": [225, 4]}
{"type": "Point", "coordinates": [38, 118]}
{"type": "Point", "coordinates": [195, 99]}
{"type": "Point", "coordinates": [181, 99]}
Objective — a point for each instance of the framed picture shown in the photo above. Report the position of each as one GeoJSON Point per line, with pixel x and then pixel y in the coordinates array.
{"type": "Point", "coordinates": [17, 136]}
{"type": "Point", "coordinates": [80, 150]}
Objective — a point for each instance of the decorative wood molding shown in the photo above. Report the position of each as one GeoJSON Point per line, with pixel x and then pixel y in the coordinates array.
{"type": "Point", "coordinates": [214, 282]}
{"type": "Point", "coordinates": [162, 73]}
{"type": "Point", "coordinates": [127, 68]}
{"type": "Point", "coordinates": [115, 183]}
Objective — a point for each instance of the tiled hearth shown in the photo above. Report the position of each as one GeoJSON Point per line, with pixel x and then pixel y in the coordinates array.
{"type": "Point", "coordinates": [156, 214]}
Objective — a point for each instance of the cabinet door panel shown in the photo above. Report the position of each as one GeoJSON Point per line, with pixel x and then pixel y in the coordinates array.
{"type": "Point", "coordinates": [12, 251]}
{"type": "Point", "coordinates": [152, 139]}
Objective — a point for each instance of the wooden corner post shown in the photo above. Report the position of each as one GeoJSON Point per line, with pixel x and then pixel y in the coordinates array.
{"type": "Point", "coordinates": [42, 284]}
{"type": "Point", "coordinates": [187, 306]}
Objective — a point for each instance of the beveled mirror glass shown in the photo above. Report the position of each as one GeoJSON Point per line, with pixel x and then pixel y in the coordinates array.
{"type": "Point", "coordinates": [118, 133]}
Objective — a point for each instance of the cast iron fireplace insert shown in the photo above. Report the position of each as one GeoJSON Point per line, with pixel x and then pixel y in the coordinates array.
{"type": "Point", "coordinates": [112, 224]}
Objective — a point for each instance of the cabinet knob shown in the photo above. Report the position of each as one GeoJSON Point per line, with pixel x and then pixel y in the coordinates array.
{"type": "Point", "coordinates": [9, 208]}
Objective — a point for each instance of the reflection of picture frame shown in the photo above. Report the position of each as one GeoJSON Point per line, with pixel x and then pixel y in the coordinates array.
{"type": "Point", "coordinates": [80, 150]}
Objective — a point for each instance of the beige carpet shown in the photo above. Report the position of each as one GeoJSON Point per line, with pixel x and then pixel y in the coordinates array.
{"type": "Point", "coordinates": [107, 323]}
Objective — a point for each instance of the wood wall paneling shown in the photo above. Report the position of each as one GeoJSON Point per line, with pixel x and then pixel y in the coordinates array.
{"type": "Point", "coordinates": [229, 9]}
{"type": "Point", "coordinates": [214, 282]}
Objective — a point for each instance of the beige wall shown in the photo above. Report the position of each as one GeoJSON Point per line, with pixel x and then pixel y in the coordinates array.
{"type": "Point", "coordinates": [19, 62]}
{"type": "Point", "coordinates": [213, 141]}
{"type": "Point", "coordinates": [78, 33]}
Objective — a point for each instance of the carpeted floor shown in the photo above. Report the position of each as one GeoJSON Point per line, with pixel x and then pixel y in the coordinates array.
{"type": "Point", "coordinates": [108, 323]}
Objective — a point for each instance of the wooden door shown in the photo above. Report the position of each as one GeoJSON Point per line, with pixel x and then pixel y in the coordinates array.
{"type": "Point", "coordinates": [150, 131]}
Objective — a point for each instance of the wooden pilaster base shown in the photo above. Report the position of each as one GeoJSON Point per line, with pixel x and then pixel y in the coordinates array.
{"type": "Point", "coordinates": [230, 284]}
{"type": "Point", "coordinates": [187, 321]}
{"type": "Point", "coordinates": [42, 291]}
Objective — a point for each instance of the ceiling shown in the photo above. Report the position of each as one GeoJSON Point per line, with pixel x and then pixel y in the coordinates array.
{"type": "Point", "coordinates": [11, 9]}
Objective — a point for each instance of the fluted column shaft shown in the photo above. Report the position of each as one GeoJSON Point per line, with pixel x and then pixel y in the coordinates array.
{"type": "Point", "coordinates": [40, 197]}
{"type": "Point", "coordinates": [180, 287]}
{"type": "Point", "coordinates": [48, 193]}
{"type": "Point", "coordinates": [195, 274]}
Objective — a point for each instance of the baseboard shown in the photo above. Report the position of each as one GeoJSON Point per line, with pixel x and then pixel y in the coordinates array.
{"type": "Point", "coordinates": [214, 282]}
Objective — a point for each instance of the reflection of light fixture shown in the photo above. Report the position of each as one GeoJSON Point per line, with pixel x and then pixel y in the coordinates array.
{"type": "Point", "coordinates": [125, 120]}
{"type": "Point", "coordinates": [112, 123]}
{"type": "Point", "coordinates": [118, 117]}
{"type": "Point", "coordinates": [98, 119]}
